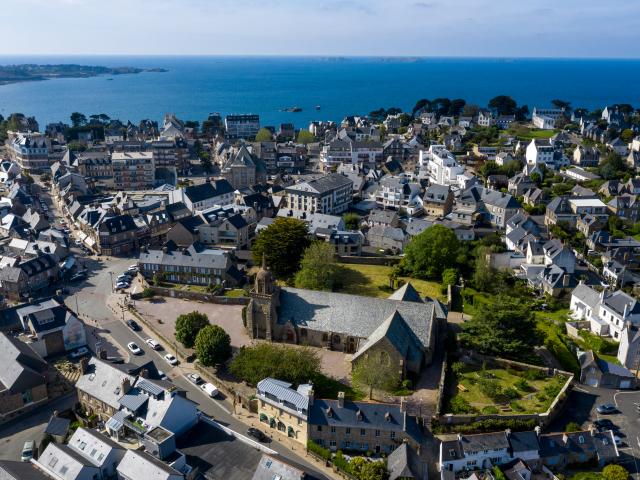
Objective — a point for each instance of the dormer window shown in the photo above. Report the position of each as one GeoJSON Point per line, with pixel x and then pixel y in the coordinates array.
{"type": "Point", "coordinates": [359, 415]}
{"type": "Point", "coordinates": [329, 412]}
{"type": "Point", "coordinates": [387, 416]}
{"type": "Point", "coordinates": [581, 439]}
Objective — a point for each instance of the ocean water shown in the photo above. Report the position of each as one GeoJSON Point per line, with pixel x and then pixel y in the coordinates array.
{"type": "Point", "coordinates": [195, 86]}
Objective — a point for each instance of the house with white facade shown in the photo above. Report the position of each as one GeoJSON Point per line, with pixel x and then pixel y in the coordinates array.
{"type": "Point", "coordinates": [441, 165]}
{"type": "Point", "coordinates": [607, 312]}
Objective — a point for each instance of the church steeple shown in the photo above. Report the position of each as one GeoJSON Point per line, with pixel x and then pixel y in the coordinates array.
{"type": "Point", "coordinates": [264, 279]}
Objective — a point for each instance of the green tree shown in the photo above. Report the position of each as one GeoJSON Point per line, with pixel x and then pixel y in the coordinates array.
{"type": "Point", "coordinates": [505, 326]}
{"type": "Point", "coordinates": [376, 372]}
{"type": "Point", "coordinates": [282, 243]}
{"type": "Point", "coordinates": [572, 427]}
{"type": "Point", "coordinates": [290, 364]}
{"type": "Point", "coordinates": [305, 137]}
{"type": "Point", "coordinates": [428, 254]}
{"type": "Point", "coordinates": [351, 221]}
{"type": "Point", "coordinates": [615, 472]}
{"type": "Point", "coordinates": [627, 135]}
{"type": "Point", "coordinates": [449, 277]}
{"type": "Point", "coordinates": [213, 345]}
{"type": "Point", "coordinates": [188, 325]}
{"type": "Point", "coordinates": [78, 119]}
{"type": "Point", "coordinates": [318, 267]}
{"type": "Point", "coordinates": [205, 161]}
{"type": "Point", "coordinates": [503, 105]}
{"type": "Point", "coordinates": [264, 135]}
{"type": "Point", "coordinates": [483, 273]}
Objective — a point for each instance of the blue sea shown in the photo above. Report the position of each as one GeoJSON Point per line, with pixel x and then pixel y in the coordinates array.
{"type": "Point", "coordinates": [195, 86]}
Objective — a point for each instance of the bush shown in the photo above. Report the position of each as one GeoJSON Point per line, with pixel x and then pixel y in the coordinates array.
{"type": "Point", "coordinates": [489, 425]}
{"type": "Point", "coordinates": [615, 472]}
{"type": "Point", "coordinates": [459, 405]}
{"type": "Point", "coordinates": [511, 393]}
{"type": "Point", "coordinates": [318, 450]}
{"type": "Point", "coordinates": [147, 293]}
{"type": "Point", "coordinates": [491, 388]}
{"type": "Point", "coordinates": [290, 364]}
{"type": "Point", "coordinates": [572, 427]}
{"type": "Point", "coordinates": [457, 368]}
{"type": "Point", "coordinates": [490, 410]}
{"type": "Point", "coordinates": [532, 374]}
{"type": "Point", "coordinates": [522, 385]}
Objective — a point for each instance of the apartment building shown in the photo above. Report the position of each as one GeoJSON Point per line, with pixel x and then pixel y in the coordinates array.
{"type": "Point", "coordinates": [329, 194]}
{"type": "Point", "coordinates": [133, 170]}
{"type": "Point", "coordinates": [242, 126]}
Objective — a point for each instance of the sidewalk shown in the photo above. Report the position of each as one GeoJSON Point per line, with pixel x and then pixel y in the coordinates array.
{"type": "Point", "coordinates": [251, 420]}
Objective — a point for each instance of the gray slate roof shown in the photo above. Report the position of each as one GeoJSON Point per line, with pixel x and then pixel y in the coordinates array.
{"type": "Point", "coordinates": [352, 315]}
{"type": "Point", "coordinates": [283, 392]}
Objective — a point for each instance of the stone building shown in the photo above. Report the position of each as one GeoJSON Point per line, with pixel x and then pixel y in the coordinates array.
{"type": "Point", "coordinates": [347, 323]}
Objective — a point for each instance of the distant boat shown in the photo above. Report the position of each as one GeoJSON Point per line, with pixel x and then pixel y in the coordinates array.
{"type": "Point", "coordinates": [109, 79]}
{"type": "Point", "coordinates": [317, 107]}
{"type": "Point", "coordinates": [291, 109]}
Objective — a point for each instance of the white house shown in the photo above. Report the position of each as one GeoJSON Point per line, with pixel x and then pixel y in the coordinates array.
{"type": "Point", "coordinates": [61, 462]}
{"type": "Point", "coordinates": [138, 465]}
{"type": "Point", "coordinates": [98, 449]}
{"type": "Point", "coordinates": [607, 312]}
{"type": "Point", "coordinates": [540, 151]}
{"type": "Point", "coordinates": [441, 165]}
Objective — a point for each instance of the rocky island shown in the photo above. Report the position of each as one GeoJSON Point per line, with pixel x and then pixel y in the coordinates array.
{"type": "Point", "coordinates": [32, 72]}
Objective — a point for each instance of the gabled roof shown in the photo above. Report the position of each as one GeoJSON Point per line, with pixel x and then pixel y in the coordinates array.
{"type": "Point", "coordinates": [138, 464]}
{"type": "Point", "coordinates": [406, 293]}
{"type": "Point", "coordinates": [283, 392]}
{"type": "Point", "coordinates": [22, 368]}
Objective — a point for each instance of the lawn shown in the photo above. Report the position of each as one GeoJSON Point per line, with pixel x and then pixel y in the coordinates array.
{"type": "Point", "coordinates": [235, 293]}
{"type": "Point", "coordinates": [561, 315]}
{"type": "Point", "coordinates": [586, 476]}
{"type": "Point", "coordinates": [373, 281]}
{"type": "Point", "coordinates": [503, 391]}
{"type": "Point", "coordinates": [531, 133]}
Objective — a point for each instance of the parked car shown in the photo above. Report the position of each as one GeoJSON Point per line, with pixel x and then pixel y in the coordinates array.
{"type": "Point", "coordinates": [133, 348]}
{"type": "Point", "coordinates": [79, 353]}
{"type": "Point", "coordinates": [27, 451]}
{"type": "Point", "coordinates": [209, 389]}
{"type": "Point", "coordinates": [195, 378]}
{"type": "Point", "coordinates": [606, 408]}
{"type": "Point", "coordinates": [134, 268]}
{"type": "Point", "coordinates": [171, 360]}
{"type": "Point", "coordinates": [133, 325]}
{"type": "Point", "coordinates": [152, 343]}
{"type": "Point", "coordinates": [122, 285]}
{"type": "Point", "coordinates": [604, 424]}
{"type": "Point", "coordinates": [257, 434]}
{"type": "Point", "coordinates": [77, 243]}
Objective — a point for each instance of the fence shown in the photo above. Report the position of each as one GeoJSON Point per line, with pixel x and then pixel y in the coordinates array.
{"type": "Point", "coordinates": [196, 296]}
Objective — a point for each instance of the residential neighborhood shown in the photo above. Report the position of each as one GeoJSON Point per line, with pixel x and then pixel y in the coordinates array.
{"type": "Point", "coordinates": [440, 292]}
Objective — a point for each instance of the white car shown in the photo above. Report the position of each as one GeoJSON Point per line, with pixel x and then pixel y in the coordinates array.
{"type": "Point", "coordinates": [209, 389]}
{"type": "Point", "coordinates": [152, 343]}
{"type": "Point", "coordinates": [170, 359]}
{"type": "Point", "coordinates": [133, 268]}
{"type": "Point", "coordinates": [135, 349]}
{"type": "Point", "coordinates": [195, 378]}
{"type": "Point", "coordinates": [122, 285]}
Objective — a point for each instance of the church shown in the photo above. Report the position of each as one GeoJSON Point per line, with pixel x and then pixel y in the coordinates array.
{"type": "Point", "coordinates": [402, 329]}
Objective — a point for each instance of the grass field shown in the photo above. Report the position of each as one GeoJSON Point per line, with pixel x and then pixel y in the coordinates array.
{"type": "Point", "coordinates": [498, 390]}
{"type": "Point", "coordinates": [373, 281]}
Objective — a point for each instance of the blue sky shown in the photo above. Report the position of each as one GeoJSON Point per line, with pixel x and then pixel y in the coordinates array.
{"type": "Point", "coordinates": [510, 28]}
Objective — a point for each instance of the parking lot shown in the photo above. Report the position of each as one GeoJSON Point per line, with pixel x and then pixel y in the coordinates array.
{"type": "Point", "coordinates": [581, 408]}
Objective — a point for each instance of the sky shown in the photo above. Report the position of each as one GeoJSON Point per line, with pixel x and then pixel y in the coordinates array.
{"type": "Point", "coordinates": [468, 28]}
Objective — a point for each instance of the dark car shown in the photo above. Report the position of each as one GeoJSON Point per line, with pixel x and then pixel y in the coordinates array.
{"type": "Point", "coordinates": [133, 325]}
{"type": "Point", "coordinates": [604, 424]}
{"type": "Point", "coordinates": [606, 408]}
{"type": "Point", "coordinates": [257, 434]}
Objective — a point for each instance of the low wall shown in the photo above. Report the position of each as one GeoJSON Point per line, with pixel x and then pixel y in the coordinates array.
{"type": "Point", "coordinates": [573, 328]}
{"type": "Point", "coordinates": [196, 296]}
{"type": "Point", "coordinates": [543, 418]}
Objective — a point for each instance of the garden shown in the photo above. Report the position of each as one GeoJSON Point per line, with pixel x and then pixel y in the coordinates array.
{"type": "Point", "coordinates": [494, 390]}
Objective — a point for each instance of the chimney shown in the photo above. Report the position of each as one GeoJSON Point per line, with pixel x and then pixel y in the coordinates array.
{"type": "Point", "coordinates": [83, 365]}
{"type": "Point", "coordinates": [537, 429]}
{"type": "Point", "coordinates": [144, 373]}
{"type": "Point", "coordinates": [593, 430]}
{"type": "Point", "coordinates": [565, 280]}
{"type": "Point", "coordinates": [102, 354]}
{"type": "Point", "coordinates": [125, 385]}
{"type": "Point", "coordinates": [507, 432]}
{"type": "Point", "coordinates": [626, 310]}
{"type": "Point", "coordinates": [565, 438]}
{"type": "Point", "coordinates": [403, 405]}
{"type": "Point", "coordinates": [310, 395]}
{"type": "Point", "coordinates": [340, 399]}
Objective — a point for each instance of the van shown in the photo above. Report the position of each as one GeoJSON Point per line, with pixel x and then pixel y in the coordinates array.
{"type": "Point", "coordinates": [209, 389]}
{"type": "Point", "coordinates": [27, 451]}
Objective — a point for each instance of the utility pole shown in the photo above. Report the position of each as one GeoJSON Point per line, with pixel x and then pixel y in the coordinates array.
{"type": "Point", "coordinates": [111, 277]}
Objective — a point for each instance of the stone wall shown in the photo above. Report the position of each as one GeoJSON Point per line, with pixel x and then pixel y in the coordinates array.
{"type": "Point", "coordinates": [543, 418]}
{"type": "Point", "coordinates": [196, 296]}
{"type": "Point", "coordinates": [573, 328]}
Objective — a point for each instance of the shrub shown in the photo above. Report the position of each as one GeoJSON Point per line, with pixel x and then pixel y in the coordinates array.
{"type": "Point", "coordinates": [490, 410]}
{"type": "Point", "coordinates": [572, 427]}
{"type": "Point", "coordinates": [532, 374]}
{"type": "Point", "coordinates": [615, 472]}
{"type": "Point", "coordinates": [457, 368]}
{"type": "Point", "coordinates": [522, 385]}
{"type": "Point", "coordinates": [516, 407]}
{"type": "Point", "coordinates": [491, 388]}
{"type": "Point", "coordinates": [511, 393]}
{"type": "Point", "coordinates": [147, 293]}
{"type": "Point", "coordinates": [318, 450]}
{"type": "Point", "coordinates": [459, 405]}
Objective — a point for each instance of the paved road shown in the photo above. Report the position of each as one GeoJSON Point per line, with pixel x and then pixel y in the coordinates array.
{"type": "Point", "coordinates": [14, 434]}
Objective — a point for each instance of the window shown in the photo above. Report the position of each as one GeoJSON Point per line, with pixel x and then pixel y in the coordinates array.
{"type": "Point", "coordinates": [347, 431]}
{"type": "Point", "coordinates": [377, 433]}
{"type": "Point", "coordinates": [333, 429]}
{"type": "Point", "coordinates": [393, 434]}
{"type": "Point", "coordinates": [362, 432]}
{"type": "Point", "coordinates": [319, 428]}
{"type": "Point", "coordinates": [27, 397]}
{"type": "Point", "coordinates": [332, 443]}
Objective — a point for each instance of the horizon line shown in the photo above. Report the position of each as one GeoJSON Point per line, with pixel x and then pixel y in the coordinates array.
{"type": "Point", "coordinates": [331, 56]}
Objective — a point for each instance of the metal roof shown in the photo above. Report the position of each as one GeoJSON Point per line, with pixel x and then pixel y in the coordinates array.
{"type": "Point", "coordinates": [284, 393]}
{"type": "Point", "coordinates": [149, 387]}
